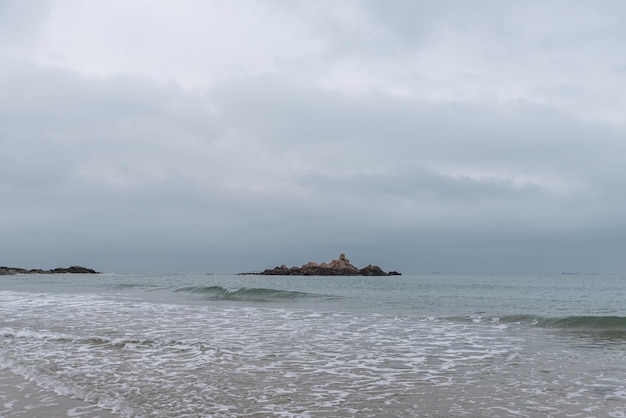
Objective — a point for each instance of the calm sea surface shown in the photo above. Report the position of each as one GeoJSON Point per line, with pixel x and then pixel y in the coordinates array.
{"type": "Point", "coordinates": [198, 345]}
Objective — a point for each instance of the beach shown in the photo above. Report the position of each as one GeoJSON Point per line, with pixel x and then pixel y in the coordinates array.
{"type": "Point", "coordinates": [219, 345]}
{"type": "Point", "coordinates": [21, 398]}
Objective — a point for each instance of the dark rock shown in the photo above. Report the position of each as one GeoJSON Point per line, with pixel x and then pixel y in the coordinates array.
{"type": "Point", "coordinates": [371, 270]}
{"type": "Point", "coordinates": [59, 270]}
{"type": "Point", "coordinates": [339, 267]}
{"type": "Point", "coordinates": [74, 270]}
{"type": "Point", "coordinates": [6, 271]}
{"type": "Point", "coordinates": [11, 270]}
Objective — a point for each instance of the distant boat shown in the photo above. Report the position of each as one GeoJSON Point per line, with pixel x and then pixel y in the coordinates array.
{"type": "Point", "coordinates": [565, 273]}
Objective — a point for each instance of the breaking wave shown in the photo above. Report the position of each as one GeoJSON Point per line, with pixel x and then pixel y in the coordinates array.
{"type": "Point", "coordinates": [586, 323]}
{"type": "Point", "coordinates": [247, 294]}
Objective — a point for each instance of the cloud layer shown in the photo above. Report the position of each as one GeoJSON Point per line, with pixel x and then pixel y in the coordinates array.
{"type": "Point", "coordinates": [233, 136]}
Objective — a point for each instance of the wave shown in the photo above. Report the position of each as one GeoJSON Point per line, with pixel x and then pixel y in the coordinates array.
{"type": "Point", "coordinates": [583, 323]}
{"type": "Point", "coordinates": [68, 342]}
{"type": "Point", "coordinates": [246, 294]}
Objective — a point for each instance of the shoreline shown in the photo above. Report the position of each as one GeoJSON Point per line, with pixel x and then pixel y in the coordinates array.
{"type": "Point", "coordinates": [22, 398]}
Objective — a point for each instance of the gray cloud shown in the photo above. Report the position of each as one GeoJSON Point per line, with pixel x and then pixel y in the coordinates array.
{"type": "Point", "coordinates": [417, 137]}
{"type": "Point", "coordinates": [21, 22]}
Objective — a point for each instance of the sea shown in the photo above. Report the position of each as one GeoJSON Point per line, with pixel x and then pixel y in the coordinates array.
{"type": "Point", "coordinates": [225, 345]}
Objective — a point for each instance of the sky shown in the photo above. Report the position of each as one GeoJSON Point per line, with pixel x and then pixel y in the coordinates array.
{"type": "Point", "coordinates": [232, 136]}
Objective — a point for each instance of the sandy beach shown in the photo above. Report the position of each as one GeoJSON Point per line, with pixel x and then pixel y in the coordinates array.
{"type": "Point", "coordinates": [21, 398]}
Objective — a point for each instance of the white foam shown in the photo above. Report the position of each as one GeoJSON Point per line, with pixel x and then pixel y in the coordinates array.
{"type": "Point", "coordinates": [141, 358]}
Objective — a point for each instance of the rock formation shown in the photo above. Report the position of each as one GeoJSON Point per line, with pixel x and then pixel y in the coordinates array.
{"type": "Point", "coordinates": [60, 270]}
{"type": "Point", "coordinates": [339, 267]}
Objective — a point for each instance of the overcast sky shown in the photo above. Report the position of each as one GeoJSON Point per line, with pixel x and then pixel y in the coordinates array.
{"type": "Point", "coordinates": [227, 136]}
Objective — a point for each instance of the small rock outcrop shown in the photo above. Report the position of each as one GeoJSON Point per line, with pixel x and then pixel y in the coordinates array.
{"type": "Point", "coordinates": [59, 270]}
{"type": "Point", "coordinates": [338, 267]}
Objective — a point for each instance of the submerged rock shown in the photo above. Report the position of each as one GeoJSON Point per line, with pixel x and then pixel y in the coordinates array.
{"type": "Point", "coordinates": [59, 270]}
{"type": "Point", "coordinates": [338, 267]}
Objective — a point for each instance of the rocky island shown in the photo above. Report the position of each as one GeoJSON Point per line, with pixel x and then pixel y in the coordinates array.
{"type": "Point", "coordinates": [339, 267]}
{"type": "Point", "coordinates": [4, 271]}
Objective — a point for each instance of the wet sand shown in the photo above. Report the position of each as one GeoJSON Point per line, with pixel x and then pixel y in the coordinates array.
{"type": "Point", "coordinates": [21, 398]}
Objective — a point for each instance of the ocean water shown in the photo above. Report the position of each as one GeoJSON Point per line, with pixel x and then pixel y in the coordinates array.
{"type": "Point", "coordinates": [199, 345]}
